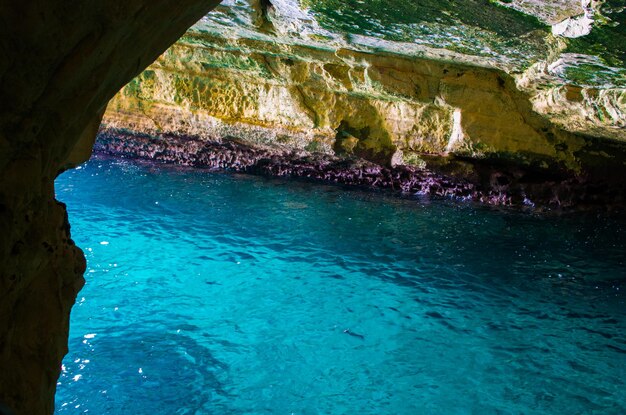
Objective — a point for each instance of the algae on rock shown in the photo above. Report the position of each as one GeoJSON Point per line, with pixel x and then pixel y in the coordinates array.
{"type": "Point", "coordinates": [387, 81]}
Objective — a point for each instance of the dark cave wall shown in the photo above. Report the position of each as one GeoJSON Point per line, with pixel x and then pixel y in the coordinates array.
{"type": "Point", "coordinates": [61, 62]}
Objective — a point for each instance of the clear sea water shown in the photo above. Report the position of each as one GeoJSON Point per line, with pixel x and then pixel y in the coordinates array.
{"type": "Point", "coordinates": [213, 293]}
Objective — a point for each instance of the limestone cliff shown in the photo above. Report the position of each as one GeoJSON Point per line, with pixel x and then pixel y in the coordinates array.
{"type": "Point", "coordinates": [394, 82]}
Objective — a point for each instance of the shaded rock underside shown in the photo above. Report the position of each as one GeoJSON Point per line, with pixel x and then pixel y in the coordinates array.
{"type": "Point", "coordinates": [61, 63]}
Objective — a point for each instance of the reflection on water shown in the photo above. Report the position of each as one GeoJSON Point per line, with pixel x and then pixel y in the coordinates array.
{"type": "Point", "coordinates": [218, 294]}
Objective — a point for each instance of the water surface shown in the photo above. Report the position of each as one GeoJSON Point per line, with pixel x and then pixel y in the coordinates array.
{"type": "Point", "coordinates": [212, 293]}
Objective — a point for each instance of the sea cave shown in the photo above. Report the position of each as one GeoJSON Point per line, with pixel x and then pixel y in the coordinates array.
{"type": "Point", "coordinates": [313, 206]}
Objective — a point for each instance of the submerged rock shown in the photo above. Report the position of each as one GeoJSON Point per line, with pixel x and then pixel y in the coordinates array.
{"type": "Point", "coordinates": [455, 178]}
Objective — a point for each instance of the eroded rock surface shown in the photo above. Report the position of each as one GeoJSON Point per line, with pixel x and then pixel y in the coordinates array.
{"type": "Point", "coordinates": [458, 178]}
{"type": "Point", "coordinates": [394, 83]}
{"type": "Point", "coordinates": [61, 62]}
{"type": "Point", "coordinates": [389, 81]}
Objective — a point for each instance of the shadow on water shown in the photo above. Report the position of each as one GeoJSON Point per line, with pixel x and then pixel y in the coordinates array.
{"type": "Point", "coordinates": [167, 371]}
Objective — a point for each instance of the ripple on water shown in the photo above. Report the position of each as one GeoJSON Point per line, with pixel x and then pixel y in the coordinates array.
{"type": "Point", "coordinates": [237, 294]}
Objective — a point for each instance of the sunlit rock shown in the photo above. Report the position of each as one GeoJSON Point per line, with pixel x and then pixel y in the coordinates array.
{"type": "Point", "coordinates": [375, 80]}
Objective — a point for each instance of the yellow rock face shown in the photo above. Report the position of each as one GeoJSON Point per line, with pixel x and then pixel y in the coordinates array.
{"type": "Point", "coordinates": [380, 106]}
{"type": "Point", "coordinates": [597, 112]}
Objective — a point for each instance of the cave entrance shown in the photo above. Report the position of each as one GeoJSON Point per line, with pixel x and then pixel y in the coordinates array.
{"type": "Point", "coordinates": [348, 138]}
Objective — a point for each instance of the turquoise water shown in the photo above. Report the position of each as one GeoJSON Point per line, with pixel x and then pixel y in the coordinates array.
{"type": "Point", "coordinates": [222, 294]}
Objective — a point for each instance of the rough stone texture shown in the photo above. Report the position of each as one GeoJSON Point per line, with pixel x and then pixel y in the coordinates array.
{"type": "Point", "coordinates": [462, 179]}
{"type": "Point", "coordinates": [61, 62]}
{"type": "Point", "coordinates": [483, 79]}
{"type": "Point", "coordinates": [551, 11]}
{"type": "Point", "coordinates": [337, 81]}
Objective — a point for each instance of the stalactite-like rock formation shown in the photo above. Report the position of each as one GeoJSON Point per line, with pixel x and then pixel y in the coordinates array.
{"type": "Point", "coordinates": [61, 63]}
